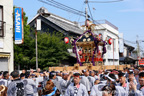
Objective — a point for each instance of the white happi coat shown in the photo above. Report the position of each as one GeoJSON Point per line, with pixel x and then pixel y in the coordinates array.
{"type": "Point", "coordinates": [82, 91]}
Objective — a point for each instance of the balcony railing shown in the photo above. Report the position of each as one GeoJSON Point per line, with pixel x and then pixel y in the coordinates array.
{"type": "Point", "coordinates": [2, 28]}
{"type": "Point", "coordinates": [105, 22]}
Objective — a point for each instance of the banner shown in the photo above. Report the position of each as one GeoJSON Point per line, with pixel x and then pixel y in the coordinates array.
{"type": "Point", "coordinates": [18, 25]}
{"type": "Point", "coordinates": [141, 61]}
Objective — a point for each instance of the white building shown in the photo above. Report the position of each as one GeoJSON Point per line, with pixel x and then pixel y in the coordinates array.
{"type": "Point", "coordinates": [108, 30]}
{"type": "Point", "coordinates": [6, 35]}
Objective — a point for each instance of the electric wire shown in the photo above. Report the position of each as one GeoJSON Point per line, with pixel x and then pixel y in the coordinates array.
{"type": "Point", "coordinates": [105, 1]}
{"type": "Point", "coordinates": [66, 9]}
{"type": "Point", "coordinates": [52, 1]}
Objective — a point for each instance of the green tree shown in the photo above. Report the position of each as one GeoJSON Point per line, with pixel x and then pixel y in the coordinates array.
{"type": "Point", "coordinates": [51, 49]}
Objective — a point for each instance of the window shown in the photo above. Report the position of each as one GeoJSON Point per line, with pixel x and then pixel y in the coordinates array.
{"type": "Point", "coordinates": [1, 22]}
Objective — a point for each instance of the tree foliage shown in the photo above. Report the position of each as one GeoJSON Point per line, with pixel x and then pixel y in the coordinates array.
{"type": "Point", "coordinates": [51, 49]}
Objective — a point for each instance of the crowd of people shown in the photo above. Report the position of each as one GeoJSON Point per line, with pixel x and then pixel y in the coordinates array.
{"type": "Point", "coordinates": [126, 82]}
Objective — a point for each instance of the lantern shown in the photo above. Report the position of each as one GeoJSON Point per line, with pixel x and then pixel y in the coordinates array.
{"type": "Point", "coordinates": [99, 52]}
{"type": "Point", "coordinates": [110, 41]}
{"type": "Point", "coordinates": [66, 40]}
{"type": "Point", "coordinates": [100, 37]}
{"type": "Point", "coordinates": [80, 52]}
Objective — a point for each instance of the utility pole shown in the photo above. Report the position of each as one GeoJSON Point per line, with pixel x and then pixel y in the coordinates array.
{"type": "Point", "coordinates": [36, 50]}
{"type": "Point", "coordinates": [38, 28]}
{"type": "Point", "coordinates": [113, 52]}
{"type": "Point", "coordinates": [138, 49]}
{"type": "Point", "coordinates": [86, 12]}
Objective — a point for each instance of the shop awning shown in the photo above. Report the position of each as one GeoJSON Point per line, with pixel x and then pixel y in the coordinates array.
{"type": "Point", "coordinates": [127, 59]}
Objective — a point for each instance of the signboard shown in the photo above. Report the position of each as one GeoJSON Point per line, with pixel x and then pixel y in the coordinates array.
{"type": "Point", "coordinates": [18, 25]}
{"type": "Point", "coordinates": [141, 61]}
{"type": "Point", "coordinates": [38, 24]}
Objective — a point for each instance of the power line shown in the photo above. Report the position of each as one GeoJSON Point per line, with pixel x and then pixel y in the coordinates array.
{"type": "Point", "coordinates": [60, 6]}
{"type": "Point", "coordinates": [69, 9]}
{"type": "Point", "coordinates": [90, 12]}
{"type": "Point", "coordinates": [105, 1]}
{"type": "Point", "coordinates": [80, 15]}
{"type": "Point", "coordinates": [72, 10]}
{"type": "Point", "coordinates": [52, 1]}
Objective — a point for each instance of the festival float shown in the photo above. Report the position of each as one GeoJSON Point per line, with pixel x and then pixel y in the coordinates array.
{"type": "Point", "coordinates": [89, 47]}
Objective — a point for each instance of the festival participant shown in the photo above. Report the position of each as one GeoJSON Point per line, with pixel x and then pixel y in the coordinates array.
{"type": "Point", "coordinates": [23, 71]}
{"type": "Point", "coordinates": [134, 91]}
{"type": "Point", "coordinates": [31, 71]}
{"type": "Point", "coordinates": [91, 79]}
{"type": "Point", "coordinates": [97, 81]}
{"type": "Point", "coordinates": [29, 87]}
{"type": "Point", "coordinates": [22, 76]}
{"type": "Point", "coordinates": [141, 82]}
{"type": "Point", "coordinates": [65, 82]}
{"type": "Point", "coordinates": [45, 77]}
{"type": "Point", "coordinates": [103, 78]}
{"type": "Point", "coordinates": [96, 75]}
{"type": "Point", "coordinates": [76, 88]}
{"type": "Point", "coordinates": [37, 81]}
{"type": "Point", "coordinates": [38, 70]}
{"type": "Point", "coordinates": [58, 76]}
{"type": "Point", "coordinates": [131, 77]}
{"type": "Point", "coordinates": [125, 70]}
{"type": "Point", "coordinates": [17, 86]}
{"type": "Point", "coordinates": [100, 74]}
{"type": "Point", "coordinates": [85, 80]}
{"type": "Point", "coordinates": [115, 72]}
{"type": "Point", "coordinates": [141, 69]}
{"type": "Point", "coordinates": [111, 89]}
{"type": "Point", "coordinates": [96, 89]}
{"type": "Point", "coordinates": [50, 89]}
{"type": "Point", "coordinates": [136, 73]}
{"type": "Point", "coordinates": [123, 81]}
{"type": "Point", "coordinates": [52, 76]}
{"type": "Point", "coordinates": [5, 79]}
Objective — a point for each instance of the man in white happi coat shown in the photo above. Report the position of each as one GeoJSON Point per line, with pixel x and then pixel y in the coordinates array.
{"type": "Point", "coordinates": [76, 88]}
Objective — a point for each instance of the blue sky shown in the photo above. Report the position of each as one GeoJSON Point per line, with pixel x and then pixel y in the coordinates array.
{"type": "Point", "coordinates": [127, 15]}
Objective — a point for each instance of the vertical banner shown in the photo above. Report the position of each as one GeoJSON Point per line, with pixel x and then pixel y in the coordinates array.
{"type": "Point", "coordinates": [38, 24]}
{"type": "Point", "coordinates": [18, 25]}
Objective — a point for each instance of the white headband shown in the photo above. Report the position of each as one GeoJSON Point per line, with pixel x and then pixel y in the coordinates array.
{"type": "Point", "coordinates": [110, 78]}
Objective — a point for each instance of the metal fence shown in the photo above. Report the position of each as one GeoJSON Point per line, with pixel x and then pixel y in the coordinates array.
{"type": "Point", "coordinates": [105, 22]}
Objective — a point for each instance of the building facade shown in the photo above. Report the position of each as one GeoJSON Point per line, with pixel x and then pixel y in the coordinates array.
{"type": "Point", "coordinates": [129, 55]}
{"type": "Point", "coordinates": [6, 35]}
